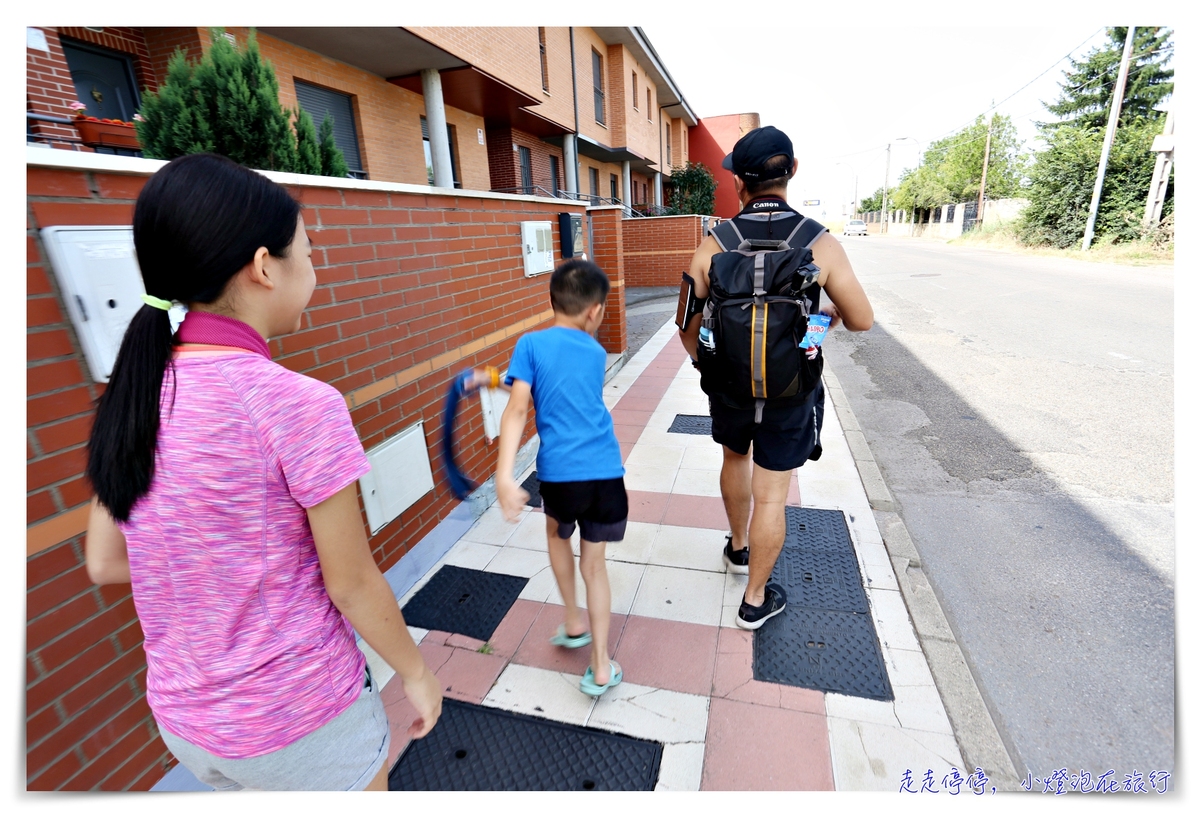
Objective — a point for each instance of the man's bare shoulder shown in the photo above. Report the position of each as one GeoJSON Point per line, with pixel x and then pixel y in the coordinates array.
{"type": "Point", "coordinates": [702, 258]}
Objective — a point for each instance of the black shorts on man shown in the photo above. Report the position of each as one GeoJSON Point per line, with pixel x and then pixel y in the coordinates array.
{"type": "Point", "coordinates": [600, 506]}
{"type": "Point", "coordinates": [788, 436]}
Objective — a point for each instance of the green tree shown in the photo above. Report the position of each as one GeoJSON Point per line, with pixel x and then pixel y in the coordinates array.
{"type": "Point", "coordinates": [1063, 177]}
{"type": "Point", "coordinates": [1064, 174]}
{"type": "Point", "coordinates": [952, 168]}
{"type": "Point", "coordinates": [693, 190]}
{"type": "Point", "coordinates": [308, 147]}
{"type": "Point", "coordinates": [227, 102]}
{"type": "Point", "coordinates": [1087, 87]}
{"type": "Point", "coordinates": [333, 162]}
{"type": "Point", "coordinates": [874, 201]}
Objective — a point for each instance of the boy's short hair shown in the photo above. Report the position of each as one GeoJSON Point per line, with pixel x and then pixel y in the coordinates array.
{"type": "Point", "coordinates": [576, 285]}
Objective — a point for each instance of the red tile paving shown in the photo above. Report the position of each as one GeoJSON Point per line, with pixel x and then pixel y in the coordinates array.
{"type": "Point", "coordinates": [763, 748]}
{"type": "Point", "coordinates": [668, 654]}
{"type": "Point", "coordinates": [696, 512]}
{"type": "Point", "coordinates": [513, 628]}
{"type": "Point", "coordinates": [468, 675]}
{"type": "Point", "coordinates": [537, 651]}
{"type": "Point", "coordinates": [647, 506]}
{"type": "Point", "coordinates": [627, 403]}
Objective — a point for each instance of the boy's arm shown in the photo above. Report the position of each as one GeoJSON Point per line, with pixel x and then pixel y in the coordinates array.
{"type": "Point", "coordinates": [512, 422]}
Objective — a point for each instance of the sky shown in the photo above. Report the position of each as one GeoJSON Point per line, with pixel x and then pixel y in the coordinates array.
{"type": "Point", "coordinates": [845, 92]}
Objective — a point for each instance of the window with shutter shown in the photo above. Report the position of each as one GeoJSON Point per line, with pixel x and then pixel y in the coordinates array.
{"type": "Point", "coordinates": [318, 102]}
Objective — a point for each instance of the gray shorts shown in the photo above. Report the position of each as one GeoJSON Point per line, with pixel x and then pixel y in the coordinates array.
{"type": "Point", "coordinates": [343, 755]}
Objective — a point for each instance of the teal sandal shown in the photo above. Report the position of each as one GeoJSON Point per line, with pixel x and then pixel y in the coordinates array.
{"type": "Point", "coordinates": [561, 639]}
{"type": "Point", "coordinates": [588, 684]}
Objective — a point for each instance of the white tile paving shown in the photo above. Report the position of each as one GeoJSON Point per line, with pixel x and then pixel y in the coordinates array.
{"type": "Point", "coordinates": [681, 767]}
{"type": "Point", "coordinates": [677, 594]}
{"type": "Point", "coordinates": [692, 548]}
{"type": "Point", "coordinates": [540, 692]}
{"type": "Point", "coordinates": [653, 714]}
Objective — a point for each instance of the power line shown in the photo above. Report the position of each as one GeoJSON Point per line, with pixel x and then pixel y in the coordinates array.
{"type": "Point", "coordinates": [993, 107]}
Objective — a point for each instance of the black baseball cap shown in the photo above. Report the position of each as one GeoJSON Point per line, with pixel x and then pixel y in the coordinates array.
{"type": "Point", "coordinates": [754, 149]}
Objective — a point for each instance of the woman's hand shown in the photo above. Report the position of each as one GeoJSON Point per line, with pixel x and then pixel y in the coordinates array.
{"type": "Point", "coordinates": [425, 694]}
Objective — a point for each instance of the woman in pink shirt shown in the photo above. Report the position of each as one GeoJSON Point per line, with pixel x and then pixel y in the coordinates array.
{"type": "Point", "coordinates": [226, 493]}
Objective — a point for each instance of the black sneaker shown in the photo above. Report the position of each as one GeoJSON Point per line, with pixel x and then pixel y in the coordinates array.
{"type": "Point", "coordinates": [738, 561]}
{"type": "Point", "coordinates": [774, 601]}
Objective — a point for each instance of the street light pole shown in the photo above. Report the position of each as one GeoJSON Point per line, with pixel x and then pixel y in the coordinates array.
{"type": "Point", "coordinates": [887, 168]}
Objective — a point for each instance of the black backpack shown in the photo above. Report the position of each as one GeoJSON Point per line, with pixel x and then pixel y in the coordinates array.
{"type": "Point", "coordinates": [755, 318]}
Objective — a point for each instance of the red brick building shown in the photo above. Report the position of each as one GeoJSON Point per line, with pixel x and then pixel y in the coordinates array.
{"type": "Point", "coordinates": [417, 280]}
{"type": "Point", "coordinates": [589, 113]}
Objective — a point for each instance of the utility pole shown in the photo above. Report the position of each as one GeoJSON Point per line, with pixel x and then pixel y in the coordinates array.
{"type": "Point", "coordinates": [987, 152]}
{"type": "Point", "coordinates": [887, 168]}
{"type": "Point", "coordinates": [1164, 146]}
{"type": "Point", "coordinates": [1114, 114]}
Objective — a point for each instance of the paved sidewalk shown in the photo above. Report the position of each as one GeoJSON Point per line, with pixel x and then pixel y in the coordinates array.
{"type": "Point", "coordinates": [688, 676]}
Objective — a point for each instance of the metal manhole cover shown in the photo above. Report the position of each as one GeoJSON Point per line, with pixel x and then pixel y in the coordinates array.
{"type": "Point", "coordinates": [822, 649]}
{"type": "Point", "coordinates": [461, 600]}
{"type": "Point", "coordinates": [817, 529]}
{"type": "Point", "coordinates": [478, 748]}
{"type": "Point", "coordinates": [533, 485]}
{"type": "Point", "coordinates": [691, 424]}
{"type": "Point", "coordinates": [823, 580]}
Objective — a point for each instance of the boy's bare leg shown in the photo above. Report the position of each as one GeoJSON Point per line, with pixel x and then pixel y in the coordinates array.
{"type": "Point", "coordinates": [735, 491]}
{"type": "Point", "coordinates": [562, 562]}
{"type": "Point", "coordinates": [768, 528]}
{"type": "Point", "coordinates": [599, 603]}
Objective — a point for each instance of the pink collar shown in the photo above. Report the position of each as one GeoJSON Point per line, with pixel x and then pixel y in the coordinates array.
{"type": "Point", "coordinates": [219, 330]}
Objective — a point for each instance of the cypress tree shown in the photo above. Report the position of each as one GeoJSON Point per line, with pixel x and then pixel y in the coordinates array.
{"type": "Point", "coordinates": [308, 149]}
{"type": "Point", "coordinates": [333, 163]}
{"type": "Point", "coordinates": [228, 103]}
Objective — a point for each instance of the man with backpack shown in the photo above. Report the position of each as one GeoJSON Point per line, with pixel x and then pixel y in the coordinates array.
{"type": "Point", "coordinates": [744, 312]}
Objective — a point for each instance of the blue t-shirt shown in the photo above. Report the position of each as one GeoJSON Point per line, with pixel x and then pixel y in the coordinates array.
{"type": "Point", "coordinates": [565, 370]}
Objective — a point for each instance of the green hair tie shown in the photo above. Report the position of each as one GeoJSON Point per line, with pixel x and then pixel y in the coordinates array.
{"type": "Point", "coordinates": [157, 303]}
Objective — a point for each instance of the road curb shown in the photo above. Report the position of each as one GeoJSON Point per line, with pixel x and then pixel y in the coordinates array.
{"type": "Point", "coordinates": [974, 730]}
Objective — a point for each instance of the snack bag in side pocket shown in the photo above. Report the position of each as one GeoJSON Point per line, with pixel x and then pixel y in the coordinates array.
{"type": "Point", "coordinates": [818, 325]}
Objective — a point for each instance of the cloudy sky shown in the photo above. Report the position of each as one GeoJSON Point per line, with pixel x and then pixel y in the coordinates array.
{"type": "Point", "coordinates": [859, 87]}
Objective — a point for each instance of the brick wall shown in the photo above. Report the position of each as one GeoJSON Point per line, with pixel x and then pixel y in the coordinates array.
{"type": "Point", "coordinates": [608, 254]}
{"type": "Point", "coordinates": [657, 250]}
{"type": "Point", "coordinates": [48, 87]}
{"type": "Point", "coordinates": [505, 164]}
{"type": "Point", "coordinates": [412, 289]}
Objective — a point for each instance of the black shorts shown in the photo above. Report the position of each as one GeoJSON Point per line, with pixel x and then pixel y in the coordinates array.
{"type": "Point", "coordinates": [601, 507]}
{"type": "Point", "coordinates": [787, 437]}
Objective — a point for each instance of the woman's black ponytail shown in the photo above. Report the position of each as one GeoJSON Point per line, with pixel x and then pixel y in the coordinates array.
{"type": "Point", "coordinates": [198, 221]}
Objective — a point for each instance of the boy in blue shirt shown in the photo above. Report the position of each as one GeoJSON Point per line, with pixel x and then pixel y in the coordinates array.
{"type": "Point", "coordinates": [579, 459]}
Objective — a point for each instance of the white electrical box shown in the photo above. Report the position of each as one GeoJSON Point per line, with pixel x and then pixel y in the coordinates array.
{"type": "Point", "coordinates": [537, 247]}
{"type": "Point", "coordinates": [400, 475]}
{"type": "Point", "coordinates": [98, 275]}
{"type": "Point", "coordinates": [493, 402]}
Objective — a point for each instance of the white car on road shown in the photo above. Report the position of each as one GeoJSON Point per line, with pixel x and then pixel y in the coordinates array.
{"type": "Point", "coordinates": [855, 226]}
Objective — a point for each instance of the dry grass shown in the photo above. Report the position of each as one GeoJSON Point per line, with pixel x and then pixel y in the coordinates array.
{"type": "Point", "coordinates": [1156, 251]}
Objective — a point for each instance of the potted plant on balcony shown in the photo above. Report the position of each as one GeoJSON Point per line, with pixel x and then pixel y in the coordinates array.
{"type": "Point", "coordinates": [109, 133]}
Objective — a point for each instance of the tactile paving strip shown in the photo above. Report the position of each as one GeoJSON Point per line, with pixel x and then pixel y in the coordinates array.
{"type": "Point", "coordinates": [822, 649]}
{"type": "Point", "coordinates": [478, 748]}
{"type": "Point", "coordinates": [824, 580]}
{"type": "Point", "coordinates": [817, 529]}
{"type": "Point", "coordinates": [533, 485]}
{"type": "Point", "coordinates": [691, 424]}
{"type": "Point", "coordinates": [462, 600]}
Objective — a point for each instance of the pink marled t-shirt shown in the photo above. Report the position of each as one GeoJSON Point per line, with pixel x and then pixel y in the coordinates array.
{"type": "Point", "coordinates": [246, 652]}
